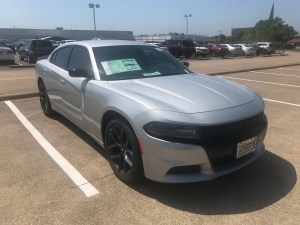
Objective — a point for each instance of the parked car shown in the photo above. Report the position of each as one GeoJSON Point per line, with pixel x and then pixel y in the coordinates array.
{"type": "Point", "coordinates": [160, 45]}
{"type": "Point", "coordinates": [33, 49]}
{"type": "Point", "coordinates": [9, 44]}
{"type": "Point", "coordinates": [6, 54]}
{"type": "Point", "coordinates": [265, 48]}
{"type": "Point", "coordinates": [201, 50]}
{"type": "Point", "coordinates": [247, 49]}
{"type": "Point", "coordinates": [233, 49]}
{"type": "Point", "coordinates": [65, 41]}
{"type": "Point", "coordinates": [216, 50]}
{"type": "Point", "coordinates": [183, 47]}
{"type": "Point", "coordinates": [151, 114]}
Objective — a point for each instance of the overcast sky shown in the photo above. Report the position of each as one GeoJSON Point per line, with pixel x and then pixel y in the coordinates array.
{"type": "Point", "coordinates": [146, 17]}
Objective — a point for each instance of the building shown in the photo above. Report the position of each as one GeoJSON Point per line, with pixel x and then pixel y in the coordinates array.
{"type": "Point", "coordinates": [13, 34]}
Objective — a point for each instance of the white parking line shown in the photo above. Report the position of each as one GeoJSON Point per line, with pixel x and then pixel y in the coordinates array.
{"type": "Point", "coordinates": [264, 82]}
{"type": "Point", "coordinates": [88, 189]}
{"type": "Point", "coordinates": [286, 103]}
{"type": "Point", "coordinates": [276, 74]}
{"type": "Point", "coordinates": [288, 69]}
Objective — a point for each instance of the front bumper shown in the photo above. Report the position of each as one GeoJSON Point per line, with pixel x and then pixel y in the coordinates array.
{"type": "Point", "coordinates": [171, 162]}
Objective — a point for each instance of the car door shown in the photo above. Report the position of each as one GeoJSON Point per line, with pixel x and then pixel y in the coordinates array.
{"type": "Point", "coordinates": [55, 74]}
{"type": "Point", "coordinates": [74, 88]}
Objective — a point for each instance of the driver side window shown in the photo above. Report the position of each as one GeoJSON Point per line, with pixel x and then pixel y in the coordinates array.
{"type": "Point", "coordinates": [80, 59]}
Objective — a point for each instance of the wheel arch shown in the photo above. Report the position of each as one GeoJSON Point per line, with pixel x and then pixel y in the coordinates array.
{"type": "Point", "coordinates": [108, 116]}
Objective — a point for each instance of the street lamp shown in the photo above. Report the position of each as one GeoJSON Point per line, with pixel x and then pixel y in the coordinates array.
{"type": "Point", "coordinates": [91, 5]}
{"type": "Point", "coordinates": [187, 16]}
{"type": "Point", "coordinates": [220, 32]}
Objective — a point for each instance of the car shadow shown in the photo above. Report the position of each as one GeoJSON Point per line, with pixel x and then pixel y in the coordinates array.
{"type": "Point", "coordinates": [262, 183]}
{"type": "Point", "coordinates": [80, 133]}
{"type": "Point", "coordinates": [259, 185]}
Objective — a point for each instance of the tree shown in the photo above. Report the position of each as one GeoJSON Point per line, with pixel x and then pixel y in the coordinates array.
{"type": "Point", "coordinates": [272, 30]}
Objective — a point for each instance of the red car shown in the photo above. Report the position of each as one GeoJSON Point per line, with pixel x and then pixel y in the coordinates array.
{"type": "Point", "coordinates": [216, 50]}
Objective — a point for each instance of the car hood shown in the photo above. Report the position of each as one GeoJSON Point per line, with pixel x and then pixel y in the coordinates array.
{"type": "Point", "coordinates": [188, 93]}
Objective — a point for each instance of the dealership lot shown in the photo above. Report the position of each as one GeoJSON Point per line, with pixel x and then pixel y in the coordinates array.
{"type": "Point", "coordinates": [36, 190]}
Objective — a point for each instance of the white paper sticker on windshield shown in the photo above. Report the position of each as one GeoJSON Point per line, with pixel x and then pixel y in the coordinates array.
{"type": "Point", "coordinates": [120, 66]}
{"type": "Point", "coordinates": [156, 73]}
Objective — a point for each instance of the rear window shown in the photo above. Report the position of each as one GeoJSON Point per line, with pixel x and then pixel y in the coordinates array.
{"type": "Point", "coordinates": [41, 45]}
{"type": "Point", "coordinates": [188, 43]}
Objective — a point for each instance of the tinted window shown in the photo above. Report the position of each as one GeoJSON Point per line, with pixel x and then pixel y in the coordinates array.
{"type": "Point", "coordinates": [80, 59]}
{"type": "Point", "coordinates": [188, 43]}
{"type": "Point", "coordinates": [62, 57]}
{"type": "Point", "coordinates": [40, 45]}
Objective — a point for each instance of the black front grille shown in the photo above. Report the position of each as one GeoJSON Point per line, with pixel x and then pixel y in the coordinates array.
{"type": "Point", "coordinates": [220, 141]}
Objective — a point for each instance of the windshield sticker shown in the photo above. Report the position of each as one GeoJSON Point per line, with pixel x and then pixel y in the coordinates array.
{"type": "Point", "coordinates": [156, 73]}
{"type": "Point", "coordinates": [120, 66]}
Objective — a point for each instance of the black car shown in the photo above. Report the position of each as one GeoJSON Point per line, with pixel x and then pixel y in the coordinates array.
{"type": "Point", "coordinates": [33, 49]}
{"type": "Point", "coordinates": [183, 47]}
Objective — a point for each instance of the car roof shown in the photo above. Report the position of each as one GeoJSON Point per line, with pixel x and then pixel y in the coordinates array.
{"type": "Point", "coordinates": [104, 43]}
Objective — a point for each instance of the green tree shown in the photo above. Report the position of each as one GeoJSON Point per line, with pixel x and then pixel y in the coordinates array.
{"type": "Point", "coordinates": [274, 30]}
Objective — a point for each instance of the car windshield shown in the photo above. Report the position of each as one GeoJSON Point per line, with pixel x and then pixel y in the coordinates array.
{"type": "Point", "coordinates": [135, 62]}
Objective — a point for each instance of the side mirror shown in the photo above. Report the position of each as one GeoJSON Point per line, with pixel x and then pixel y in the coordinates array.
{"type": "Point", "coordinates": [187, 64]}
{"type": "Point", "coordinates": [79, 72]}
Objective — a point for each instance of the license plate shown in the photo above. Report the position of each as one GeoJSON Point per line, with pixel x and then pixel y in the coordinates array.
{"type": "Point", "coordinates": [246, 147]}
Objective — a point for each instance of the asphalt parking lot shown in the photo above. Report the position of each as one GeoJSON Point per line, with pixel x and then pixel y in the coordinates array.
{"type": "Point", "coordinates": [36, 190]}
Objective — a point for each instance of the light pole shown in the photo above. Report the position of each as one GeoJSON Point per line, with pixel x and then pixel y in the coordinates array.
{"type": "Point", "coordinates": [91, 5]}
{"type": "Point", "coordinates": [187, 16]}
{"type": "Point", "coordinates": [220, 32]}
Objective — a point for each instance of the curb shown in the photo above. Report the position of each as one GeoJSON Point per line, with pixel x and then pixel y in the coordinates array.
{"type": "Point", "coordinates": [18, 96]}
{"type": "Point", "coordinates": [250, 69]}
{"type": "Point", "coordinates": [22, 66]}
{"type": "Point", "coordinates": [36, 94]}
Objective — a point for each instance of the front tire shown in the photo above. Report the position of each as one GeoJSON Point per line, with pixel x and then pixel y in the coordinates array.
{"type": "Point", "coordinates": [44, 100]}
{"type": "Point", "coordinates": [123, 151]}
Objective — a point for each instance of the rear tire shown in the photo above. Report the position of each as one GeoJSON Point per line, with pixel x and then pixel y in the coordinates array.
{"type": "Point", "coordinates": [123, 151]}
{"type": "Point", "coordinates": [44, 100]}
{"type": "Point", "coordinates": [30, 60]}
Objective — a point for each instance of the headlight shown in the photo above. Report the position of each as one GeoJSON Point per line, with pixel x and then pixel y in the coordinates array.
{"type": "Point", "coordinates": [172, 132]}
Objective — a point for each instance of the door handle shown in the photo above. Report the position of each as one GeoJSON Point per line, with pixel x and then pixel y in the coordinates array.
{"type": "Point", "coordinates": [62, 82]}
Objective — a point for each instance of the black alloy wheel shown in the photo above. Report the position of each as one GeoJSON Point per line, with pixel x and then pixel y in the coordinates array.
{"type": "Point", "coordinates": [44, 100]}
{"type": "Point", "coordinates": [123, 151]}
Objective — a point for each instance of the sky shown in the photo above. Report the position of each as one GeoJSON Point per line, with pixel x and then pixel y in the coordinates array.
{"type": "Point", "coordinates": [209, 17]}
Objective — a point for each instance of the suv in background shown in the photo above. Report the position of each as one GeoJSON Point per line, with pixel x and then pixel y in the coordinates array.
{"type": "Point", "coordinates": [201, 50]}
{"type": "Point", "coordinates": [183, 47]}
{"type": "Point", "coordinates": [33, 49]}
{"type": "Point", "coordinates": [265, 48]}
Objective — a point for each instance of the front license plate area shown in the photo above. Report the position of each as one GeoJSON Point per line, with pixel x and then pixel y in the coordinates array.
{"type": "Point", "coordinates": [246, 147]}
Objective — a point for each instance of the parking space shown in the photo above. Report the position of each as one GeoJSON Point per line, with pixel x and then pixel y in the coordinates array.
{"type": "Point", "coordinates": [36, 190]}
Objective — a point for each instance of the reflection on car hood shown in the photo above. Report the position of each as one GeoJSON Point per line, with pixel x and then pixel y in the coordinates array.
{"type": "Point", "coordinates": [189, 93]}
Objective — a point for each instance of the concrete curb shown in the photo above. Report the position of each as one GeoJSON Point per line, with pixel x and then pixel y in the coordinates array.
{"type": "Point", "coordinates": [18, 96]}
{"type": "Point", "coordinates": [22, 66]}
{"type": "Point", "coordinates": [35, 94]}
{"type": "Point", "coordinates": [250, 69]}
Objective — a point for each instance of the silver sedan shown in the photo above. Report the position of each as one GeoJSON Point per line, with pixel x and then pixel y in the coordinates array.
{"type": "Point", "coordinates": [152, 115]}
